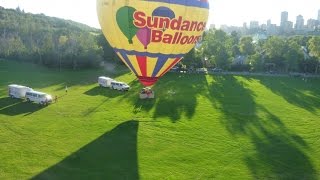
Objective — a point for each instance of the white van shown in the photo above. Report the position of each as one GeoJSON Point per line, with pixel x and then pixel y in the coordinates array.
{"type": "Point", "coordinates": [18, 91]}
{"type": "Point", "coordinates": [38, 97]}
{"type": "Point", "coordinates": [104, 81]}
{"type": "Point", "coordinates": [121, 86]}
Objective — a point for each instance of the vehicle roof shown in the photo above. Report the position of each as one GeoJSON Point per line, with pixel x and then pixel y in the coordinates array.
{"type": "Point", "coordinates": [37, 92]}
{"type": "Point", "coordinates": [103, 77]}
{"type": "Point", "coordinates": [118, 82]}
{"type": "Point", "coordinates": [17, 86]}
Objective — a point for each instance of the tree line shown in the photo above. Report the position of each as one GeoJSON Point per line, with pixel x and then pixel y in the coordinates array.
{"type": "Point", "coordinates": [59, 43]}
{"type": "Point", "coordinates": [234, 52]}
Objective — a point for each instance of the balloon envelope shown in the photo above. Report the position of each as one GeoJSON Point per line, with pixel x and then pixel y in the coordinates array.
{"type": "Point", "coordinates": [152, 36]}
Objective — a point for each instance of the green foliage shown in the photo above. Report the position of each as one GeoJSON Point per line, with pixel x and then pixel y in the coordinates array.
{"type": "Point", "coordinates": [314, 46]}
{"type": "Point", "coordinates": [108, 52]}
{"type": "Point", "coordinates": [198, 127]}
{"type": "Point", "coordinates": [246, 46]}
{"type": "Point", "coordinates": [216, 46]}
{"type": "Point", "coordinates": [48, 41]}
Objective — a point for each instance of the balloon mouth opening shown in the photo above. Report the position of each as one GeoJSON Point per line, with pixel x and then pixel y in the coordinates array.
{"type": "Point", "coordinates": [147, 81]}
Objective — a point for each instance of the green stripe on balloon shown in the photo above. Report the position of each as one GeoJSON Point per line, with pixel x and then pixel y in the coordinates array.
{"type": "Point", "coordinates": [125, 22]}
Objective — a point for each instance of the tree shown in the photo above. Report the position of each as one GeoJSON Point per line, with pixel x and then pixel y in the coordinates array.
{"type": "Point", "coordinates": [108, 52]}
{"type": "Point", "coordinates": [275, 48]}
{"type": "Point", "coordinates": [216, 47]}
{"type": "Point", "coordinates": [293, 55]}
{"type": "Point", "coordinates": [246, 46]}
{"type": "Point", "coordinates": [314, 47]}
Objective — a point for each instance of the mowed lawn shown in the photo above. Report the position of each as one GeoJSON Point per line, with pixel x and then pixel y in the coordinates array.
{"type": "Point", "coordinates": [198, 127]}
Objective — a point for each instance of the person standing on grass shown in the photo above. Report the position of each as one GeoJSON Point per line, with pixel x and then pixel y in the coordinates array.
{"type": "Point", "coordinates": [66, 89]}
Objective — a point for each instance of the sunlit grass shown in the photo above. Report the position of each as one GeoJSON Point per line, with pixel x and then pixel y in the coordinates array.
{"type": "Point", "coordinates": [198, 127]}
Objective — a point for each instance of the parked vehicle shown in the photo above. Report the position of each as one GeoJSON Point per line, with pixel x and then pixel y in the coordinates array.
{"type": "Point", "coordinates": [121, 86]}
{"type": "Point", "coordinates": [216, 70]}
{"type": "Point", "coordinates": [18, 91]}
{"type": "Point", "coordinates": [202, 70]}
{"type": "Point", "coordinates": [104, 81]}
{"type": "Point", "coordinates": [38, 97]}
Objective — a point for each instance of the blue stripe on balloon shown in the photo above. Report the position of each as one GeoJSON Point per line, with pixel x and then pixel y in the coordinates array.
{"type": "Point", "coordinates": [125, 57]}
{"type": "Point", "coordinates": [153, 55]}
{"type": "Point", "coordinates": [161, 61]}
{"type": "Point", "coordinates": [193, 3]}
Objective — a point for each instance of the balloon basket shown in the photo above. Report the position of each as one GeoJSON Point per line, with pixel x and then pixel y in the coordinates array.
{"type": "Point", "coordinates": [146, 93]}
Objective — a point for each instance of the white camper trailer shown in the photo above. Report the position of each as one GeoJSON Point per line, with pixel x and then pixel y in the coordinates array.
{"type": "Point", "coordinates": [104, 81]}
{"type": "Point", "coordinates": [18, 91]}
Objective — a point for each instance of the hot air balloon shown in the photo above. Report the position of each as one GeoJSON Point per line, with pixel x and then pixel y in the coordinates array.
{"type": "Point", "coordinates": [152, 36]}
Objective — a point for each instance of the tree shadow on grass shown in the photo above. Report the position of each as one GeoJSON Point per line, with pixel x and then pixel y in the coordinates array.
{"type": "Point", "coordinates": [304, 94]}
{"type": "Point", "coordinates": [279, 153]}
{"type": "Point", "coordinates": [234, 100]}
{"type": "Point", "coordinates": [13, 107]}
{"type": "Point", "coordinates": [111, 156]}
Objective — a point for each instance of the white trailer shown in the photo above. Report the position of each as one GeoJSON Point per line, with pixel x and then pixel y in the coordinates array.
{"type": "Point", "coordinates": [104, 81]}
{"type": "Point", "coordinates": [18, 91]}
{"type": "Point", "coordinates": [38, 97]}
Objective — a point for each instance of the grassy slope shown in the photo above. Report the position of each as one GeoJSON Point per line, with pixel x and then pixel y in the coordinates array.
{"type": "Point", "coordinates": [198, 127]}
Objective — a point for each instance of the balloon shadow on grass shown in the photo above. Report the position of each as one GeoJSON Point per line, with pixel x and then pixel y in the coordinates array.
{"type": "Point", "coordinates": [13, 107]}
{"type": "Point", "coordinates": [111, 156]}
{"type": "Point", "coordinates": [279, 152]}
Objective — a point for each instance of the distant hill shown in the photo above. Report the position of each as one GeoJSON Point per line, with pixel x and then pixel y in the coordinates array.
{"type": "Point", "coordinates": [48, 40]}
{"type": "Point", "coordinates": [11, 18]}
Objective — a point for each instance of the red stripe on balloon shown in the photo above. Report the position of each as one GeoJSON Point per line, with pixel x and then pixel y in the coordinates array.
{"type": "Point", "coordinates": [171, 65]}
{"type": "Point", "coordinates": [142, 61]}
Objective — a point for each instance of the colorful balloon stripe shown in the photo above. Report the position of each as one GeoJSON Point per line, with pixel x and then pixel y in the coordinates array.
{"type": "Point", "coordinates": [125, 57]}
{"type": "Point", "coordinates": [149, 66]}
{"type": "Point", "coordinates": [142, 61]}
{"type": "Point", "coordinates": [147, 53]}
{"type": "Point", "coordinates": [192, 3]}
{"type": "Point", "coordinates": [160, 63]}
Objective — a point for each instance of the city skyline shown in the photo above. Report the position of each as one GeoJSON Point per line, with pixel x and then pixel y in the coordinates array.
{"type": "Point", "coordinates": [284, 18]}
{"type": "Point", "coordinates": [222, 12]}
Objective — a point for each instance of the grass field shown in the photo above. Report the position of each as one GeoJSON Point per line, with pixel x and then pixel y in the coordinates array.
{"type": "Point", "coordinates": [198, 127]}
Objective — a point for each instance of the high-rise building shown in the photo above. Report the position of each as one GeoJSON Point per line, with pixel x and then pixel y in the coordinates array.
{"type": "Point", "coordinates": [284, 18]}
{"type": "Point", "coordinates": [311, 24]}
{"type": "Point", "coordinates": [244, 26]}
{"type": "Point", "coordinates": [254, 24]}
{"type": "Point", "coordinates": [288, 27]}
{"type": "Point", "coordinates": [319, 15]}
{"type": "Point", "coordinates": [269, 23]}
{"type": "Point", "coordinates": [299, 22]}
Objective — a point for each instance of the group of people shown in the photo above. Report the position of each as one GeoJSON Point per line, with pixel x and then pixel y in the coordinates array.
{"type": "Point", "coordinates": [56, 97]}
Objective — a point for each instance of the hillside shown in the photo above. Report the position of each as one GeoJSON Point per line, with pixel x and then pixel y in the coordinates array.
{"type": "Point", "coordinates": [198, 127]}
{"type": "Point", "coordinates": [48, 41]}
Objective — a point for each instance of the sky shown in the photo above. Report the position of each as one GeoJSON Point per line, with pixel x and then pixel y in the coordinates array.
{"type": "Point", "coordinates": [222, 12]}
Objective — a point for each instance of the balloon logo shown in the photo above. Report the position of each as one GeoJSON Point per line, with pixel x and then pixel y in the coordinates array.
{"type": "Point", "coordinates": [144, 35]}
{"type": "Point", "coordinates": [152, 36]}
{"type": "Point", "coordinates": [124, 20]}
{"type": "Point", "coordinates": [163, 12]}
